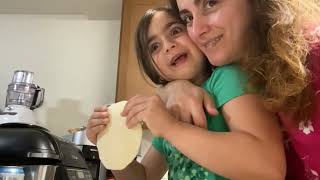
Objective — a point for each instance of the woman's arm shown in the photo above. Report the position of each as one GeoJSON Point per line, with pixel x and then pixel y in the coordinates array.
{"type": "Point", "coordinates": [252, 150]}
{"type": "Point", "coordinates": [187, 102]}
{"type": "Point", "coordinates": [152, 167]}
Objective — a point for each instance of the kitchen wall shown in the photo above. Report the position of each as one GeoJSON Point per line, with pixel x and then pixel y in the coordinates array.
{"type": "Point", "coordinates": [73, 58]}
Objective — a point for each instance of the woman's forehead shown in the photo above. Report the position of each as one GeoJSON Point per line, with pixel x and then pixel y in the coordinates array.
{"type": "Point", "coordinates": [195, 2]}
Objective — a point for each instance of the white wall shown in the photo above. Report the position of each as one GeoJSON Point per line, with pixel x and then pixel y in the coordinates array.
{"type": "Point", "coordinates": [74, 59]}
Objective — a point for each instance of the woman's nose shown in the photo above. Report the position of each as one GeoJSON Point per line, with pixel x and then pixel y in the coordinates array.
{"type": "Point", "coordinates": [200, 26]}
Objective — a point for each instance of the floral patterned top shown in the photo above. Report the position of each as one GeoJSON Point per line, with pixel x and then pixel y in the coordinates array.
{"type": "Point", "coordinates": [303, 143]}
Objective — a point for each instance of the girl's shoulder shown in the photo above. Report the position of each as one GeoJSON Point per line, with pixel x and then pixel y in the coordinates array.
{"type": "Point", "coordinates": [227, 67]}
{"type": "Point", "coordinates": [228, 71]}
{"type": "Point", "coordinates": [227, 76]}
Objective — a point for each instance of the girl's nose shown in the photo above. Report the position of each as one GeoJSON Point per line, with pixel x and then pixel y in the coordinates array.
{"type": "Point", "coordinates": [170, 46]}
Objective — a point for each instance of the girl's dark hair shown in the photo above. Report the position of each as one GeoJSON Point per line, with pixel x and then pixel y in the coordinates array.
{"type": "Point", "coordinates": [145, 61]}
{"type": "Point", "coordinates": [173, 5]}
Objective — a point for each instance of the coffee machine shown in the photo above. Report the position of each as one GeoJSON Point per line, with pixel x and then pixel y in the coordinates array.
{"type": "Point", "coordinates": [27, 150]}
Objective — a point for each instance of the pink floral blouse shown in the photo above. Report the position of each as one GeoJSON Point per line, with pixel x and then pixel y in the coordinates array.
{"type": "Point", "coordinates": [303, 143]}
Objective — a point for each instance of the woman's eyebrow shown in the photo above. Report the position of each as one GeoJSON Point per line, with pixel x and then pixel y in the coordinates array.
{"type": "Point", "coordinates": [196, 2]}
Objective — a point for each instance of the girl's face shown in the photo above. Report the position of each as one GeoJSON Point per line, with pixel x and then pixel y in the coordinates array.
{"type": "Point", "coordinates": [174, 54]}
{"type": "Point", "coordinates": [220, 28]}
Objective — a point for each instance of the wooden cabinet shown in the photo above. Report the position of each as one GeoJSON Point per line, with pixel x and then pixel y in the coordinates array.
{"type": "Point", "coordinates": [130, 80]}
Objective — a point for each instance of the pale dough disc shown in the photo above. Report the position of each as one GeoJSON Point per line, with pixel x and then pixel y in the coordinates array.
{"type": "Point", "coordinates": [118, 145]}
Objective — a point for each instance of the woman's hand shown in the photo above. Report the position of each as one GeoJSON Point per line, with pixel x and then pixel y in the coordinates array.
{"type": "Point", "coordinates": [151, 110]}
{"type": "Point", "coordinates": [188, 102]}
{"type": "Point", "coordinates": [97, 123]}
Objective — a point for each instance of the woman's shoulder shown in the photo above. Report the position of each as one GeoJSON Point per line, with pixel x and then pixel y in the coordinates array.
{"type": "Point", "coordinates": [314, 58]}
{"type": "Point", "coordinates": [315, 40]}
{"type": "Point", "coordinates": [315, 50]}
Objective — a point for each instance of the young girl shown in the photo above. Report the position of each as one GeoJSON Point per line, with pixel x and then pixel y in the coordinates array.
{"type": "Point", "coordinates": [277, 42]}
{"type": "Point", "coordinates": [166, 53]}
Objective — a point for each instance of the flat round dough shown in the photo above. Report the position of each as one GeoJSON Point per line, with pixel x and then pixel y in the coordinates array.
{"type": "Point", "coordinates": [118, 145]}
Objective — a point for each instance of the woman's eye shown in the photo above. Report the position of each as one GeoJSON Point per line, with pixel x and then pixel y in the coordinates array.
{"type": "Point", "coordinates": [210, 3]}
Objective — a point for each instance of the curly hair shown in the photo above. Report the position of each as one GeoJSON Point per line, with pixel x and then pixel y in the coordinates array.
{"type": "Point", "coordinates": [280, 70]}
{"type": "Point", "coordinates": [278, 63]}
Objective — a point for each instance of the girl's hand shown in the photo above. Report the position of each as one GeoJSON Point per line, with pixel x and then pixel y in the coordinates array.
{"type": "Point", "coordinates": [149, 109]}
{"type": "Point", "coordinates": [97, 122]}
{"type": "Point", "coordinates": [188, 102]}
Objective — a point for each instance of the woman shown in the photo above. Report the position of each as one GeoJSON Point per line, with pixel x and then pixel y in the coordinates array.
{"type": "Point", "coordinates": [277, 44]}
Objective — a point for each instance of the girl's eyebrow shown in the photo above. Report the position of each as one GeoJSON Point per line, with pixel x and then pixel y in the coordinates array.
{"type": "Point", "coordinates": [167, 26]}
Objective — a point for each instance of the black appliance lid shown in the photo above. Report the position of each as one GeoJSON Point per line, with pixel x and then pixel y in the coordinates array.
{"type": "Point", "coordinates": [21, 125]}
{"type": "Point", "coordinates": [20, 141]}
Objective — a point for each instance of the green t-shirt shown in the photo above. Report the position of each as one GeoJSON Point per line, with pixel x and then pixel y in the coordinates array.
{"type": "Point", "coordinates": [224, 84]}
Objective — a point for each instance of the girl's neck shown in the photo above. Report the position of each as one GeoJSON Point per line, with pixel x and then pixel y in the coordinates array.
{"type": "Point", "coordinates": [202, 77]}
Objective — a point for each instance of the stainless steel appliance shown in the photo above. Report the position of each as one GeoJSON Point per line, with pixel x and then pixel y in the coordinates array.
{"type": "Point", "coordinates": [91, 157]}
{"type": "Point", "coordinates": [30, 152]}
{"type": "Point", "coordinates": [90, 152]}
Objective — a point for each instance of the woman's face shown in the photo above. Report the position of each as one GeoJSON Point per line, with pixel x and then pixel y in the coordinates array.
{"type": "Point", "coordinates": [174, 54]}
{"type": "Point", "coordinates": [220, 28]}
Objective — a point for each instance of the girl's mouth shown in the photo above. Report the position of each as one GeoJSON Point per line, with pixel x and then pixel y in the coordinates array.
{"type": "Point", "coordinates": [179, 58]}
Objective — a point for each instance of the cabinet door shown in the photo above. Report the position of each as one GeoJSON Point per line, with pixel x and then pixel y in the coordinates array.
{"type": "Point", "coordinates": [130, 80]}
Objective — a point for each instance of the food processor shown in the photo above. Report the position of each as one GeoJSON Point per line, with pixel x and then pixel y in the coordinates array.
{"type": "Point", "coordinates": [23, 96]}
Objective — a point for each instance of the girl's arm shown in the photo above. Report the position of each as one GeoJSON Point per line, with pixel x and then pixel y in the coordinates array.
{"type": "Point", "coordinates": [252, 150]}
{"type": "Point", "coordinates": [152, 167]}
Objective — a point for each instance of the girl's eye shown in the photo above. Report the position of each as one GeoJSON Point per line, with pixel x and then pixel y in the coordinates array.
{"type": "Point", "coordinates": [209, 3]}
{"type": "Point", "coordinates": [154, 47]}
{"type": "Point", "coordinates": [176, 30]}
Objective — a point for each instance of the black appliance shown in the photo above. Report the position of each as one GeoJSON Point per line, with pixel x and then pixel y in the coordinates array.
{"type": "Point", "coordinates": [30, 152]}
{"type": "Point", "coordinates": [91, 157]}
